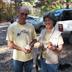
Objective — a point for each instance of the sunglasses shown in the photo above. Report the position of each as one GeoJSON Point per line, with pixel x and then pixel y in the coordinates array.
{"type": "Point", "coordinates": [24, 14]}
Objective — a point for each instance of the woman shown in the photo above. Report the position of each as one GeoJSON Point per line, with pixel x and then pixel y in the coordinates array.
{"type": "Point", "coordinates": [50, 53]}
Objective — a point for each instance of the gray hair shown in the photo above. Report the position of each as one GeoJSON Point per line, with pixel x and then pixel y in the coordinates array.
{"type": "Point", "coordinates": [51, 16]}
{"type": "Point", "coordinates": [23, 7]}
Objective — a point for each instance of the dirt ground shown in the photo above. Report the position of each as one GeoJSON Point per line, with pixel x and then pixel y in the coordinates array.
{"type": "Point", "coordinates": [6, 61]}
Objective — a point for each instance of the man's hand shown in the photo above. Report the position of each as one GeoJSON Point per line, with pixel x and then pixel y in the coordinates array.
{"type": "Point", "coordinates": [29, 50]}
{"type": "Point", "coordinates": [25, 50]}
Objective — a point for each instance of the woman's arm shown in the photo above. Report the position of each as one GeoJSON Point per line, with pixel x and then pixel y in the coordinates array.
{"type": "Point", "coordinates": [57, 49]}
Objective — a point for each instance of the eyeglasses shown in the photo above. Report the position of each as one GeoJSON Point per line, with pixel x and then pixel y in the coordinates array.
{"type": "Point", "coordinates": [24, 14]}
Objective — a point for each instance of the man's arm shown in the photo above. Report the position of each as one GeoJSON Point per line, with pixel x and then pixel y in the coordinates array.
{"type": "Point", "coordinates": [33, 42]}
{"type": "Point", "coordinates": [12, 45]}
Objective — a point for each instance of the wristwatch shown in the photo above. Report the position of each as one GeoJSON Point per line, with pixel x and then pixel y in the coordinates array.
{"type": "Point", "coordinates": [55, 48]}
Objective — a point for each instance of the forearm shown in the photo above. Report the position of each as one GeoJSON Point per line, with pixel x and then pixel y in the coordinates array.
{"type": "Point", "coordinates": [58, 49]}
{"type": "Point", "coordinates": [12, 45]}
{"type": "Point", "coordinates": [33, 42]}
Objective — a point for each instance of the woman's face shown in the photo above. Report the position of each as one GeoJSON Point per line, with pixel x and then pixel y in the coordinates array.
{"type": "Point", "coordinates": [48, 23]}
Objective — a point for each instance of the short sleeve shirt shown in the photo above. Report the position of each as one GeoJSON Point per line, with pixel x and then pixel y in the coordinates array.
{"type": "Point", "coordinates": [21, 35]}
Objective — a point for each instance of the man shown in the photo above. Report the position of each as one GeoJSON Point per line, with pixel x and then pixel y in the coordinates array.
{"type": "Point", "coordinates": [19, 35]}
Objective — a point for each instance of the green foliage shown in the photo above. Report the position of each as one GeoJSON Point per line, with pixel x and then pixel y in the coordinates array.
{"type": "Point", "coordinates": [47, 7]}
{"type": "Point", "coordinates": [32, 2]}
{"type": "Point", "coordinates": [57, 6]}
{"type": "Point", "coordinates": [44, 8]}
{"type": "Point", "coordinates": [8, 15]}
{"type": "Point", "coordinates": [27, 4]}
{"type": "Point", "coordinates": [70, 1]}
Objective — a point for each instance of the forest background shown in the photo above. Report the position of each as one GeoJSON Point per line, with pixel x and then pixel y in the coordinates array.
{"type": "Point", "coordinates": [8, 8]}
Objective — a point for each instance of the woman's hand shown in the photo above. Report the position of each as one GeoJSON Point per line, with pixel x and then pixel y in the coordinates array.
{"type": "Point", "coordinates": [58, 49]}
{"type": "Point", "coordinates": [50, 47]}
{"type": "Point", "coordinates": [38, 47]}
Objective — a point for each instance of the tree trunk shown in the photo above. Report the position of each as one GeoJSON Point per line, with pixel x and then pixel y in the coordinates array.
{"type": "Point", "coordinates": [67, 5]}
{"type": "Point", "coordinates": [15, 5]}
{"type": "Point", "coordinates": [0, 14]}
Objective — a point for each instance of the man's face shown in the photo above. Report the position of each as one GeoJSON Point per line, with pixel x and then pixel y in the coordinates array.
{"type": "Point", "coordinates": [22, 15]}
